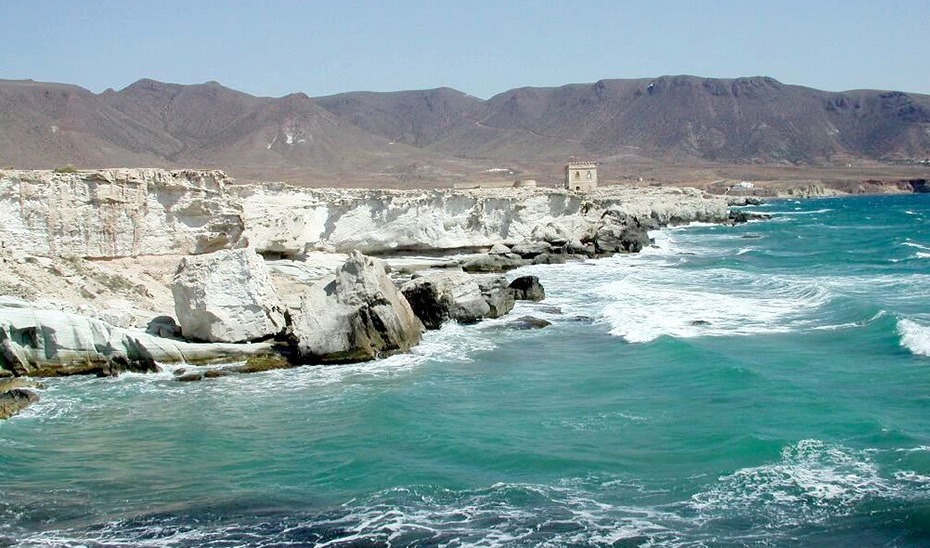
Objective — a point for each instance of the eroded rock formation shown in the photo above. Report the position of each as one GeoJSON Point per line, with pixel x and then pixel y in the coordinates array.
{"type": "Point", "coordinates": [227, 296]}
{"type": "Point", "coordinates": [356, 315]}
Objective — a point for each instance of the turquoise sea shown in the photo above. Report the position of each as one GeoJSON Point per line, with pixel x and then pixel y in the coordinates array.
{"type": "Point", "coordinates": [763, 384]}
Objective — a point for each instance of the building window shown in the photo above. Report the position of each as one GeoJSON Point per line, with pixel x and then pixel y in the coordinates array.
{"type": "Point", "coordinates": [589, 175]}
{"type": "Point", "coordinates": [578, 175]}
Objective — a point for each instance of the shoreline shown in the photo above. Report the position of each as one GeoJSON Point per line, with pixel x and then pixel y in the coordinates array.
{"type": "Point", "coordinates": [95, 260]}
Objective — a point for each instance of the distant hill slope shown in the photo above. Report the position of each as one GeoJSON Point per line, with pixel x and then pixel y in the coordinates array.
{"type": "Point", "coordinates": [444, 132]}
{"type": "Point", "coordinates": [739, 120]}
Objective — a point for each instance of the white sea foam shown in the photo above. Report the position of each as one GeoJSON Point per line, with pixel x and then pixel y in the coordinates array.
{"type": "Point", "coordinates": [911, 243]}
{"type": "Point", "coordinates": [798, 212]}
{"type": "Point", "coordinates": [915, 337]}
{"type": "Point", "coordinates": [645, 305]}
{"type": "Point", "coordinates": [813, 482]}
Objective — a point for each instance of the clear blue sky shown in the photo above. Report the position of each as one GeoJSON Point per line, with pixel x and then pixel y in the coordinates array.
{"type": "Point", "coordinates": [483, 47]}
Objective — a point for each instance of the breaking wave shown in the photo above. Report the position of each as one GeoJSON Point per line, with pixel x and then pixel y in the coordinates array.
{"type": "Point", "coordinates": [914, 337]}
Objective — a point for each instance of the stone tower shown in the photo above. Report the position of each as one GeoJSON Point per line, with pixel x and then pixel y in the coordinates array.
{"type": "Point", "coordinates": [581, 175]}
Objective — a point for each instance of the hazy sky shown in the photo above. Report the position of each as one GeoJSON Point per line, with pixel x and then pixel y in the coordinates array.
{"type": "Point", "coordinates": [482, 48]}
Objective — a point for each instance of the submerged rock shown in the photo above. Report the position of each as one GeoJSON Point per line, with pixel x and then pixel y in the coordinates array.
{"type": "Point", "coordinates": [524, 323]}
{"type": "Point", "coordinates": [356, 315]}
{"type": "Point", "coordinates": [227, 296]}
{"type": "Point", "coordinates": [527, 288]}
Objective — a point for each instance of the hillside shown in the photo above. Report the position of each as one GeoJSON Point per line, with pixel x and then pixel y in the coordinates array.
{"type": "Point", "coordinates": [430, 137]}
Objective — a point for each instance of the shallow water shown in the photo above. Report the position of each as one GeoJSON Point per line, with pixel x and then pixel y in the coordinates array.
{"type": "Point", "coordinates": [760, 384]}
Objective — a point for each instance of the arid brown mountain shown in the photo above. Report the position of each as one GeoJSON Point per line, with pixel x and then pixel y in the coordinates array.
{"type": "Point", "coordinates": [443, 134]}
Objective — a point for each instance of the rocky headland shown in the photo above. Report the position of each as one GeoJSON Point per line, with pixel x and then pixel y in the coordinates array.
{"type": "Point", "coordinates": [112, 270]}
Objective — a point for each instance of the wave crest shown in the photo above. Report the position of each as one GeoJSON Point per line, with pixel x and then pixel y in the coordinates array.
{"type": "Point", "coordinates": [915, 337]}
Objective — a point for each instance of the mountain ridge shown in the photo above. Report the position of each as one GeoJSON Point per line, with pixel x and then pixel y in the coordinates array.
{"type": "Point", "coordinates": [446, 134]}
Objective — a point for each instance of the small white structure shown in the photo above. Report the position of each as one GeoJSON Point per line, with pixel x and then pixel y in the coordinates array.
{"type": "Point", "coordinates": [581, 175]}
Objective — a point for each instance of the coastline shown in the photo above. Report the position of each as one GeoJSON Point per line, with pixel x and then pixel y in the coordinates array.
{"type": "Point", "coordinates": [709, 381]}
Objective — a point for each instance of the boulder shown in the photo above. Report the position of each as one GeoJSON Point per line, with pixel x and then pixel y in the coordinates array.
{"type": "Point", "coordinates": [549, 258]}
{"type": "Point", "coordinates": [492, 263]}
{"type": "Point", "coordinates": [499, 249]}
{"type": "Point", "coordinates": [38, 341]}
{"type": "Point", "coordinates": [628, 239]}
{"type": "Point", "coordinates": [227, 296]}
{"type": "Point", "coordinates": [576, 247]}
{"type": "Point", "coordinates": [527, 288]}
{"type": "Point", "coordinates": [356, 315]}
{"type": "Point", "coordinates": [528, 249]}
{"type": "Point", "coordinates": [524, 323]}
{"type": "Point", "coordinates": [14, 401]}
{"type": "Point", "coordinates": [163, 326]}
{"type": "Point", "coordinates": [496, 293]}
{"type": "Point", "coordinates": [443, 295]}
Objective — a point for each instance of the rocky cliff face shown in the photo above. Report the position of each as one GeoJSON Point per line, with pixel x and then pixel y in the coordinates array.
{"type": "Point", "coordinates": [117, 212]}
{"type": "Point", "coordinates": [130, 212]}
{"type": "Point", "coordinates": [289, 221]}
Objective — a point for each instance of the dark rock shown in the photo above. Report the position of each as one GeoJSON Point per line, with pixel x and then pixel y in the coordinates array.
{"type": "Point", "coordinates": [15, 400]}
{"type": "Point", "coordinates": [164, 326]}
{"type": "Point", "coordinates": [427, 302]}
{"type": "Point", "coordinates": [737, 217]}
{"type": "Point", "coordinates": [549, 258]}
{"type": "Point", "coordinates": [492, 263]}
{"type": "Point", "coordinates": [614, 239]}
{"type": "Point", "coordinates": [528, 249]}
{"type": "Point", "coordinates": [496, 293]}
{"type": "Point", "coordinates": [576, 247]}
{"type": "Point", "coordinates": [528, 322]}
{"type": "Point", "coordinates": [446, 295]}
{"type": "Point", "coordinates": [190, 377]}
{"type": "Point", "coordinates": [700, 322]}
{"type": "Point", "coordinates": [527, 288]}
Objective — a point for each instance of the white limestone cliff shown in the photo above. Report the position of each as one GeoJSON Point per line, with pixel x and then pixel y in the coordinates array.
{"type": "Point", "coordinates": [117, 212]}
{"type": "Point", "coordinates": [289, 221]}
{"type": "Point", "coordinates": [132, 212]}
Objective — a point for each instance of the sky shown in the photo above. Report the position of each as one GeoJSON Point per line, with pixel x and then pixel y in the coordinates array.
{"type": "Point", "coordinates": [277, 47]}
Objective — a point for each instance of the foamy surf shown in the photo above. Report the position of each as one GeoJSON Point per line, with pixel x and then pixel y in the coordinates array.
{"type": "Point", "coordinates": [914, 337]}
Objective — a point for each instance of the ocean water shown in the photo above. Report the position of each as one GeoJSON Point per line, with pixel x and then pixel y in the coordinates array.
{"type": "Point", "coordinates": [764, 384]}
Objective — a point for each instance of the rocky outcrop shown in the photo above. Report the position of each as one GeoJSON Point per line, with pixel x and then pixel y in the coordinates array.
{"type": "Point", "coordinates": [496, 293]}
{"type": "Point", "coordinates": [621, 239]}
{"type": "Point", "coordinates": [118, 212]}
{"type": "Point", "coordinates": [527, 288]}
{"type": "Point", "coordinates": [285, 221]}
{"type": "Point", "coordinates": [356, 315]}
{"type": "Point", "coordinates": [492, 263]}
{"type": "Point", "coordinates": [227, 296]}
{"type": "Point", "coordinates": [129, 212]}
{"type": "Point", "coordinates": [14, 401]}
{"type": "Point", "coordinates": [45, 342]}
{"type": "Point", "coordinates": [438, 296]}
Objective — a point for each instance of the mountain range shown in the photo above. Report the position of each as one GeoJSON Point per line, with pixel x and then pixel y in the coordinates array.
{"type": "Point", "coordinates": [411, 138]}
